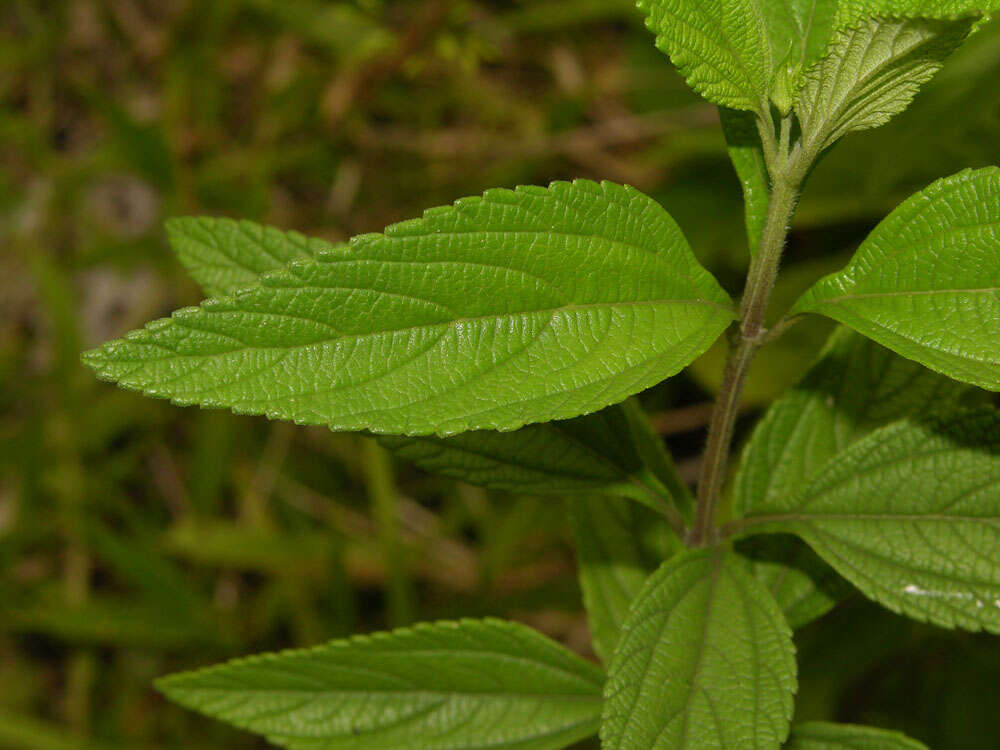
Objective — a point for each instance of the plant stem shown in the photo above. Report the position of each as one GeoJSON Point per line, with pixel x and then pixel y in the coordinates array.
{"type": "Point", "coordinates": [749, 337]}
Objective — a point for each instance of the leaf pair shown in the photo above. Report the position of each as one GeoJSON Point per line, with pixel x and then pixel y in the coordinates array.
{"type": "Point", "coordinates": [747, 54]}
{"type": "Point", "coordinates": [522, 306]}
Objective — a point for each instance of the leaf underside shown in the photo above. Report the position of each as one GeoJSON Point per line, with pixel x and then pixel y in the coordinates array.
{"type": "Point", "coordinates": [926, 282]}
{"type": "Point", "coordinates": [705, 660]}
{"type": "Point", "coordinates": [522, 306]}
{"type": "Point", "coordinates": [446, 686]}
{"type": "Point", "coordinates": [872, 72]}
{"type": "Point", "coordinates": [603, 451]}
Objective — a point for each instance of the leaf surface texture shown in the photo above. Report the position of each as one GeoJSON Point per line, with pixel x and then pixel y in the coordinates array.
{"type": "Point", "coordinates": [521, 306]}
{"type": "Point", "coordinates": [611, 450]}
{"type": "Point", "coordinates": [911, 516]}
{"type": "Point", "coordinates": [446, 686]}
{"type": "Point", "coordinates": [705, 660]}
{"type": "Point", "coordinates": [224, 256]}
{"type": "Point", "coordinates": [870, 73]}
{"type": "Point", "coordinates": [926, 282]}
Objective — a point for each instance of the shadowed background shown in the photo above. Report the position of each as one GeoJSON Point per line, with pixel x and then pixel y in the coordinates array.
{"type": "Point", "coordinates": [137, 539]}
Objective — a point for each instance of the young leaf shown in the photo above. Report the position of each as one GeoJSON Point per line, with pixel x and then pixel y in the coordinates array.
{"type": "Point", "coordinates": [705, 660]}
{"type": "Point", "coordinates": [855, 387]}
{"type": "Point", "coordinates": [745, 152]}
{"type": "Point", "coordinates": [799, 31]}
{"type": "Point", "coordinates": [469, 684]}
{"type": "Point", "coordinates": [911, 516]}
{"type": "Point", "coordinates": [521, 306]}
{"type": "Point", "coordinates": [818, 735]}
{"type": "Point", "coordinates": [721, 49]}
{"type": "Point", "coordinates": [850, 12]}
{"type": "Point", "coordinates": [925, 283]}
{"type": "Point", "coordinates": [618, 545]}
{"type": "Point", "coordinates": [224, 256]}
{"type": "Point", "coordinates": [871, 72]}
{"type": "Point", "coordinates": [612, 450]}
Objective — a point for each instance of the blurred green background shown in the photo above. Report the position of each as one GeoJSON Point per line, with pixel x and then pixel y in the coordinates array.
{"type": "Point", "coordinates": [137, 539]}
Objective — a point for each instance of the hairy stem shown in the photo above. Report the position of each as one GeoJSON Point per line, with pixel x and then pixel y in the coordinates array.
{"type": "Point", "coordinates": [749, 337]}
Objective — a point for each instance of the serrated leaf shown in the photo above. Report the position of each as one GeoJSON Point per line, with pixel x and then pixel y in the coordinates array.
{"type": "Point", "coordinates": [819, 735]}
{"type": "Point", "coordinates": [618, 545]}
{"type": "Point", "coordinates": [445, 686]}
{"type": "Point", "coordinates": [925, 283]}
{"type": "Point", "coordinates": [911, 516]}
{"type": "Point", "coordinates": [747, 155]}
{"type": "Point", "coordinates": [224, 256]}
{"type": "Point", "coordinates": [518, 307]}
{"type": "Point", "coordinates": [611, 450]}
{"type": "Point", "coordinates": [705, 660]}
{"type": "Point", "coordinates": [855, 387]}
{"type": "Point", "coordinates": [851, 11]}
{"type": "Point", "coordinates": [721, 48]}
{"type": "Point", "coordinates": [871, 72]}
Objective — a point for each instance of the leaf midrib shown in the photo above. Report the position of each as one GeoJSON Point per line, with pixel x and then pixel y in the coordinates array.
{"type": "Point", "coordinates": [906, 293]}
{"type": "Point", "coordinates": [364, 693]}
{"type": "Point", "coordinates": [552, 311]}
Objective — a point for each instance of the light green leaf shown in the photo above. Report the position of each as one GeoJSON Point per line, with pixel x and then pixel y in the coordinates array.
{"type": "Point", "coordinates": [618, 545]}
{"type": "Point", "coordinates": [721, 48]}
{"type": "Point", "coordinates": [521, 306]}
{"type": "Point", "coordinates": [911, 516]}
{"type": "Point", "coordinates": [855, 387]}
{"type": "Point", "coordinates": [799, 31]}
{"type": "Point", "coordinates": [612, 450]}
{"type": "Point", "coordinates": [818, 735]}
{"type": "Point", "coordinates": [224, 256]}
{"type": "Point", "coordinates": [446, 686]}
{"type": "Point", "coordinates": [926, 282]}
{"type": "Point", "coordinates": [871, 72]}
{"type": "Point", "coordinates": [852, 11]}
{"type": "Point", "coordinates": [747, 156]}
{"type": "Point", "coordinates": [705, 660]}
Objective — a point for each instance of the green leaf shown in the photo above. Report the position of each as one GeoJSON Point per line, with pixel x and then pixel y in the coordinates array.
{"type": "Point", "coordinates": [224, 256]}
{"type": "Point", "coordinates": [818, 735]}
{"type": "Point", "coordinates": [705, 660]}
{"type": "Point", "coordinates": [799, 31]}
{"type": "Point", "coordinates": [521, 306]}
{"type": "Point", "coordinates": [612, 450]}
{"type": "Point", "coordinates": [911, 516]}
{"type": "Point", "coordinates": [721, 48]}
{"type": "Point", "coordinates": [618, 545]}
{"type": "Point", "coordinates": [804, 586]}
{"type": "Point", "coordinates": [855, 387]}
{"type": "Point", "coordinates": [925, 283]}
{"type": "Point", "coordinates": [871, 72]}
{"type": "Point", "coordinates": [747, 155]}
{"type": "Point", "coordinates": [852, 11]}
{"type": "Point", "coordinates": [447, 686]}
